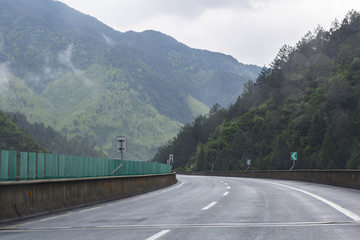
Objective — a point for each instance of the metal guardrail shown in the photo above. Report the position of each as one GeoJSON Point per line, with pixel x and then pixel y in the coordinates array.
{"type": "Point", "coordinates": [31, 166]}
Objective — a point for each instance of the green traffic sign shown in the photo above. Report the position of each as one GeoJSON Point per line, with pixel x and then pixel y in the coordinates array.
{"type": "Point", "coordinates": [294, 156]}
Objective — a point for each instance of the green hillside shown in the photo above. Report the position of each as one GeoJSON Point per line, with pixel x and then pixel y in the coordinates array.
{"type": "Point", "coordinates": [306, 102]}
{"type": "Point", "coordinates": [83, 78]}
{"type": "Point", "coordinates": [55, 141]}
{"type": "Point", "coordinates": [11, 138]}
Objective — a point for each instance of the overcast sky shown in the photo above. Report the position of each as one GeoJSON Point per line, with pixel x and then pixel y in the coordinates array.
{"type": "Point", "coordinates": [252, 31]}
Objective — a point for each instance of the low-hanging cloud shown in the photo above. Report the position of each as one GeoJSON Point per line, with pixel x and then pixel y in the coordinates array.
{"type": "Point", "coordinates": [4, 77]}
{"type": "Point", "coordinates": [109, 41]}
{"type": "Point", "coordinates": [65, 58]}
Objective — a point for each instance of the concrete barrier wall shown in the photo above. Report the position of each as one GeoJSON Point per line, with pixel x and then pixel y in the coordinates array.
{"type": "Point", "coordinates": [341, 178]}
{"type": "Point", "coordinates": [28, 198]}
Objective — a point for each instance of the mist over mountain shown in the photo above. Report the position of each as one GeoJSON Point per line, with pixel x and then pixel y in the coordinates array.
{"type": "Point", "coordinates": [83, 78]}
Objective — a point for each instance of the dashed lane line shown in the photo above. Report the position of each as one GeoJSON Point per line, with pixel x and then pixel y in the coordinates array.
{"type": "Point", "coordinates": [209, 206]}
{"type": "Point", "coordinates": [158, 235]}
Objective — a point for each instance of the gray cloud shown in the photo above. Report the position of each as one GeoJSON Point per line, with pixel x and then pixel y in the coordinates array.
{"type": "Point", "coordinates": [250, 30]}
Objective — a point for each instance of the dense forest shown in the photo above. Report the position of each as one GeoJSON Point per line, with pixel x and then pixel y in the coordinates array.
{"type": "Point", "coordinates": [307, 101]}
{"type": "Point", "coordinates": [82, 78]}
{"type": "Point", "coordinates": [53, 140]}
{"type": "Point", "coordinates": [12, 138]}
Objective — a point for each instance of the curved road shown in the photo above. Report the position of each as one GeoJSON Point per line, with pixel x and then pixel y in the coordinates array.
{"type": "Point", "coordinates": [201, 207]}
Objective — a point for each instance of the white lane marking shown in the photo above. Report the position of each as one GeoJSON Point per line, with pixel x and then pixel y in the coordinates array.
{"type": "Point", "coordinates": [228, 187]}
{"type": "Point", "coordinates": [209, 206]}
{"type": "Point", "coordinates": [221, 181]}
{"type": "Point", "coordinates": [38, 221]}
{"type": "Point", "coordinates": [226, 183]}
{"type": "Point", "coordinates": [87, 210]}
{"type": "Point", "coordinates": [159, 234]}
{"type": "Point", "coordinates": [226, 193]}
{"type": "Point", "coordinates": [331, 204]}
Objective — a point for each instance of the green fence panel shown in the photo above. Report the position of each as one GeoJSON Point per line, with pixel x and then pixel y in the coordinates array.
{"type": "Point", "coordinates": [97, 167]}
{"type": "Point", "coordinates": [121, 170]}
{"type": "Point", "coordinates": [147, 168]}
{"type": "Point", "coordinates": [137, 168]}
{"type": "Point", "coordinates": [12, 165]}
{"type": "Point", "coordinates": [115, 164]}
{"type": "Point", "coordinates": [86, 167]}
{"type": "Point", "coordinates": [48, 163]}
{"type": "Point", "coordinates": [157, 168]}
{"type": "Point", "coordinates": [106, 167]}
{"type": "Point", "coordinates": [32, 166]}
{"type": "Point", "coordinates": [23, 165]}
{"type": "Point", "coordinates": [54, 166]}
{"type": "Point", "coordinates": [87, 172]}
{"type": "Point", "coordinates": [61, 166]}
{"type": "Point", "coordinates": [78, 166]}
{"type": "Point", "coordinates": [132, 168]}
{"type": "Point", "coordinates": [82, 167]}
{"type": "Point", "coordinates": [144, 168]}
{"type": "Point", "coordinates": [126, 168]}
{"type": "Point", "coordinates": [109, 167]}
{"type": "Point", "coordinates": [4, 165]}
{"type": "Point", "coordinates": [96, 164]}
{"type": "Point", "coordinates": [141, 167]}
{"type": "Point", "coordinates": [67, 166]}
{"type": "Point", "coordinates": [89, 167]}
{"type": "Point", "coordinates": [92, 167]}
{"type": "Point", "coordinates": [100, 167]}
{"type": "Point", "coordinates": [101, 172]}
{"type": "Point", "coordinates": [40, 166]}
{"type": "Point", "coordinates": [73, 166]}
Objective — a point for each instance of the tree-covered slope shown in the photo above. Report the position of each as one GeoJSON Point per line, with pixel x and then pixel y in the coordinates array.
{"type": "Point", "coordinates": [306, 102]}
{"type": "Point", "coordinates": [70, 71]}
{"type": "Point", "coordinates": [11, 138]}
{"type": "Point", "coordinates": [55, 141]}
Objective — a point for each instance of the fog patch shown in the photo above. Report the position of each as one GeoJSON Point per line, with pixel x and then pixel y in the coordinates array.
{"type": "Point", "coordinates": [109, 41]}
{"type": "Point", "coordinates": [4, 78]}
{"type": "Point", "coordinates": [65, 58]}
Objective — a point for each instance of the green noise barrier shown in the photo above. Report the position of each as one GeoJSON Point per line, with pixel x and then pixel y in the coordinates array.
{"type": "Point", "coordinates": [31, 166]}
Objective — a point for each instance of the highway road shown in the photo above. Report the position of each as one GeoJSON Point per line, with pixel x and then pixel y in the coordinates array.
{"type": "Point", "coordinates": [201, 207]}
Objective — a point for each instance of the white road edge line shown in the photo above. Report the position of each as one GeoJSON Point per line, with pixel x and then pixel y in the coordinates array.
{"type": "Point", "coordinates": [159, 234]}
{"type": "Point", "coordinates": [226, 193]}
{"type": "Point", "coordinates": [331, 204]}
{"type": "Point", "coordinates": [228, 187]}
{"type": "Point", "coordinates": [209, 206]}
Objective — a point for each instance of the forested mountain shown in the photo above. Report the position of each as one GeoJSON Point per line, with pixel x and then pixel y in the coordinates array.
{"type": "Point", "coordinates": [55, 141]}
{"type": "Point", "coordinates": [307, 102]}
{"type": "Point", "coordinates": [83, 78]}
{"type": "Point", "coordinates": [11, 138]}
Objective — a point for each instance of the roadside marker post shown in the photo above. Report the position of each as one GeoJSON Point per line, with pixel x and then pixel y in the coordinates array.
{"type": "Point", "coordinates": [121, 148]}
{"type": "Point", "coordinates": [248, 163]}
{"type": "Point", "coordinates": [293, 157]}
{"type": "Point", "coordinates": [170, 160]}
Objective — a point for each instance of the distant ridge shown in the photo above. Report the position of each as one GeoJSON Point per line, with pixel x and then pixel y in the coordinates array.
{"type": "Point", "coordinates": [83, 78]}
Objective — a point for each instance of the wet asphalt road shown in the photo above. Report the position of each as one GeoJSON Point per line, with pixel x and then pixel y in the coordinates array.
{"type": "Point", "coordinates": [201, 207]}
